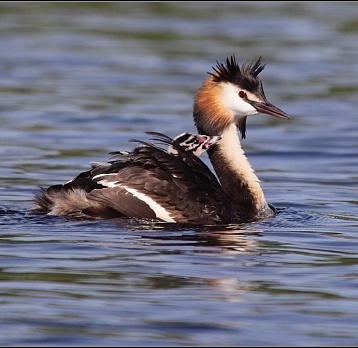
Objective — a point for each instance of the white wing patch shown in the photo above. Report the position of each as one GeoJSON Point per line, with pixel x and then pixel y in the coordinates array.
{"type": "Point", "coordinates": [105, 182]}
{"type": "Point", "coordinates": [160, 212]}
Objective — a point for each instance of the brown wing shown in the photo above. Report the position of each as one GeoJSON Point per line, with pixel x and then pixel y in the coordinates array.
{"type": "Point", "coordinates": [149, 183]}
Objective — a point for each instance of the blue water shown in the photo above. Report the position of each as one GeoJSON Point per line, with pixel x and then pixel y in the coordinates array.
{"type": "Point", "coordinates": [78, 81]}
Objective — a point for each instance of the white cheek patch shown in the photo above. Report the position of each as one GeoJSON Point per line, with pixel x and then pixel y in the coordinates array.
{"type": "Point", "coordinates": [231, 99]}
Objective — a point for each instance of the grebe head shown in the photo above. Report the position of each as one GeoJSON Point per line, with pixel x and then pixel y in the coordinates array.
{"type": "Point", "coordinates": [195, 143]}
{"type": "Point", "coordinates": [229, 95]}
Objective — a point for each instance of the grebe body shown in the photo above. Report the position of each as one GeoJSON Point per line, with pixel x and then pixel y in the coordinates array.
{"type": "Point", "coordinates": [172, 184]}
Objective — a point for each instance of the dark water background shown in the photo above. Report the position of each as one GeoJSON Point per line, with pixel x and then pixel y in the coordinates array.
{"type": "Point", "coordinates": [79, 80]}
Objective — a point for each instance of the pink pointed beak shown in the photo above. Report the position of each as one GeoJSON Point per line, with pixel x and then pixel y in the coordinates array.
{"type": "Point", "coordinates": [207, 141]}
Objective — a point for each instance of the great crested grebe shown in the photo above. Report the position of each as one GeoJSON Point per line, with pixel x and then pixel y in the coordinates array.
{"type": "Point", "coordinates": [173, 184]}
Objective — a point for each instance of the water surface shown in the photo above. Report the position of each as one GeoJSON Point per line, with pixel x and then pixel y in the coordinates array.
{"type": "Point", "coordinates": [79, 80]}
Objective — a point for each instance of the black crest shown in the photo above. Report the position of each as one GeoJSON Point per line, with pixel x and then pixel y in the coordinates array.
{"type": "Point", "coordinates": [246, 75]}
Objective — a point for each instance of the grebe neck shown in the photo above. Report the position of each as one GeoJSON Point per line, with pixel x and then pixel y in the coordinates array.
{"type": "Point", "coordinates": [236, 175]}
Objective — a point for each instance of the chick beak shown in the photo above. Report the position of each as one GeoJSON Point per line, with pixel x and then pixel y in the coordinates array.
{"type": "Point", "coordinates": [208, 141]}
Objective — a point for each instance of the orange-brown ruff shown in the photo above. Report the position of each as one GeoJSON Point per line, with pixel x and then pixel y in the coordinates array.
{"type": "Point", "coordinates": [151, 183]}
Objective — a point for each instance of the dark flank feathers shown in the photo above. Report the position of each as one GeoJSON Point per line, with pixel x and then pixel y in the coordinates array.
{"type": "Point", "coordinates": [185, 188]}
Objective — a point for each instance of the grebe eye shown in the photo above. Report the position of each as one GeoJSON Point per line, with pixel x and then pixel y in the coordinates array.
{"type": "Point", "coordinates": [242, 95]}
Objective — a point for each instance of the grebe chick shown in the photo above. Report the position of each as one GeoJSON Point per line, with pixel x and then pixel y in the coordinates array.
{"type": "Point", "coordinates": [196, 144]}
{"type": "Point", "coordinates": [173, 184]}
